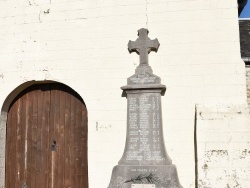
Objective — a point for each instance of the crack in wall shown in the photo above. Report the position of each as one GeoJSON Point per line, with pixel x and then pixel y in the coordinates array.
{"type": "Point", "coordinates": [32, 3]}
{"type": "Point", "coordinates": [42, 11]}
{"type": "Point", "coordinates": [146, 1]}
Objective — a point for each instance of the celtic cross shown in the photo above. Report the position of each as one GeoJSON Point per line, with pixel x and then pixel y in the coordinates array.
{"type": "Point", "coordinates": [143, 46]}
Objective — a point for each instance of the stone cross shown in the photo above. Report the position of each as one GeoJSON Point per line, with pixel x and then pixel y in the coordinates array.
{"type": "Point", "coordinates": [143, 46]}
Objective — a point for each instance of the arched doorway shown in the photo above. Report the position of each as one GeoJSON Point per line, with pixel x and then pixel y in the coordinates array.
{"type": "Point", "coordinates": [46, 141]}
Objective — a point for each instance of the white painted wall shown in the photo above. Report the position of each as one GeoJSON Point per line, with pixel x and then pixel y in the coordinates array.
{"type": "Point", "coordinates": [223, 141]}
{"type": "Point", "coordinates": [83, 44]}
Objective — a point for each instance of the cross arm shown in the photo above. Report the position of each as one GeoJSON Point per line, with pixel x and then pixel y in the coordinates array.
{"type": "Point", "coordinates": [132, 46]}
{"type": "Point", "coordinates": [153, 45]}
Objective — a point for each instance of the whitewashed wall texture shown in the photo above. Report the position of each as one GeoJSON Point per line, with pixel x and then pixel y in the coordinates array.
{"type": "Point", "coordinates": [83, 44]}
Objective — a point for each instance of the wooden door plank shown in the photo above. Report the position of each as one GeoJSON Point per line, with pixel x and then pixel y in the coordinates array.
{"type": "Point", "coordinates": [78, 142]}
{"type": "Point", "coordinates": [34, 128]}
{"type": "Point", "coordinates": [14, 147]}
{"type": "Point", "coordinates": [21, 121]}
{"type": "Point", "coordinates": [28, 168]}
{"type": "Point", "coordinates": [85, 146]}
{"type": "Point", "coordinates": [78, 131]}
{"type": "Point", "coordinates": [61, 167]}
{"type": "Point", "coordinates": [42, 140]}
{"type": "Point", "coordinates": [19, 139]}
{"type": "Point", "coordinates": [39, 154]}
{"type": "Point", "coordinates": [72, 140]}
{"type": "Point", "coordinates": [52, 138]}
{"type": "Point", "coordinates": [25, 123]}
{"type": "Point", "coordinates": [57, 156]}
{"type": "Point", "coordinates": [45, 134]}
{"type": "Point", "coordinates": [10, 158]}
{"type": "Point", "coordinates": [67, 138]}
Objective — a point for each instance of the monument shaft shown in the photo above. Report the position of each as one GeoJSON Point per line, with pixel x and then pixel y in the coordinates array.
{"type": "Point", "coordinates": [144, 144]}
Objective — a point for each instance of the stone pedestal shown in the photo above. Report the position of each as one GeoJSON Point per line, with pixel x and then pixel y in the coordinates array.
{"type": "Point", "coordinates": [162, 176]}
{"type": "Point", "coordinates": [145, 160]}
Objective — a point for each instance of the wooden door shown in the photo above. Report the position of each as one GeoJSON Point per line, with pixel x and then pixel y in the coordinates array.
{"type": "Point", "coordinates": [46, 142]}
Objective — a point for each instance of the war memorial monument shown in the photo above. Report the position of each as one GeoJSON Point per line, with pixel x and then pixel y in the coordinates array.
{"type": "Point", "coordinates": [145, 162]}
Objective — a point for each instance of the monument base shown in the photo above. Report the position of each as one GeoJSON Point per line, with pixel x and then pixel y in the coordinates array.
{"type": "Point", "coordinates": [162, 176]}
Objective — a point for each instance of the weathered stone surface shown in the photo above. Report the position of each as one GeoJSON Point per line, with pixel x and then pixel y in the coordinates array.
{"type": "Point", "coordinates": [145, 160]}
{"type": "Point", "coordinates": [162, 176]}
{"type": "Point", "coordinates": [144, 77]}
{"type": "Point", "coordinates": [143, 46]}
{"type": "Point", "coordinates": [144, 144]}
{"type": "Point", "coordinates": [143, 186]}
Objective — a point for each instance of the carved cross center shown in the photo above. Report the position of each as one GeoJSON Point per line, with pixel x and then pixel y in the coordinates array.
{"type": "Point", "coordinates": [143, 46]}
